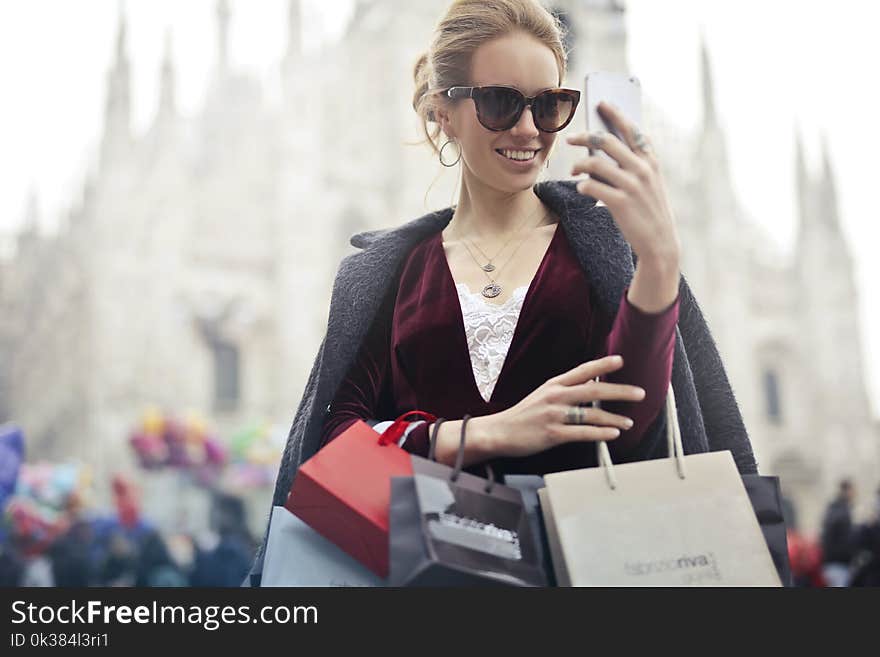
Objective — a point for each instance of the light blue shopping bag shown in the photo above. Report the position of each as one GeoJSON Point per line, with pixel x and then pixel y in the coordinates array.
{"type": "Point", "coordinates": [297, 555]}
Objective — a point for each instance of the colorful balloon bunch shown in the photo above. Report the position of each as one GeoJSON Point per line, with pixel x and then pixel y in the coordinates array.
{"type": "Point", "coordinates": [54, 485]}
{"type": "Point", "coordinates": [34, 528]}
{"type": "Point", "coordinates": [162, 441]}
{"type": "Point", "coordinates": [44, 498]}
{"type": "Point", "coordinates": [255, 454]}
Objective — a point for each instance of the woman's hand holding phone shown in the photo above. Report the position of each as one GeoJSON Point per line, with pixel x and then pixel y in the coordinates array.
{"type": "Point", "coordinates": [635, 193]}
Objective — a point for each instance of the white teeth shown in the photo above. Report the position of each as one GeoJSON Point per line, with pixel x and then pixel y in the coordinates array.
{"type": "Point", "coordinates": [519, 155]}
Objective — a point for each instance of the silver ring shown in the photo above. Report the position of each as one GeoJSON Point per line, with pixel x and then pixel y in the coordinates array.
{"type": "Point", "coordinates": [575, 415]}
{"type": "Point", "coordinates": [641, 142]}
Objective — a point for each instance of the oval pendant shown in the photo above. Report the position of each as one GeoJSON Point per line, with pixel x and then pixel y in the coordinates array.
{"type": "Point", "coordinates": [489, 267]}
{"type": "Point", "coordinates": [492, 290]}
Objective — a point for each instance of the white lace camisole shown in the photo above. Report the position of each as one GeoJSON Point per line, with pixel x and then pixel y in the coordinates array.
{"type": "Point", "coordinates": [489, 328]}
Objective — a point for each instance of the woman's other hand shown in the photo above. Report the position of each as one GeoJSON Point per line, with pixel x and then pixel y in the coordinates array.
{"type": "Point", "coordinates": [538, 422]}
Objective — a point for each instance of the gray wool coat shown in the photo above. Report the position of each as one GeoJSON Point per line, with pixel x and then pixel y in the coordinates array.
{"type": "Point", "coordinates": [708, 414]}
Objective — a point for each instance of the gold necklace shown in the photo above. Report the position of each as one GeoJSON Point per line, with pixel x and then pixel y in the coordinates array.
{"type": "Point", "coordinates": [493, 289]}
{"type": "Point", "coordinates": [489, 266]}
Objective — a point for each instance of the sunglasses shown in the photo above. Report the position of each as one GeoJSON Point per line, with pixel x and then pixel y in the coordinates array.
{"type": "Point", "coordinates": [499, 107]}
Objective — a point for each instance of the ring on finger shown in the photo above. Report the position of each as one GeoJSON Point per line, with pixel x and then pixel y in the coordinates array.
{"type": "Point", "coordinates": [641, 141]}
{"type": "Point", "coordinates": [595, 140]}
{"type": "Point", "coordinates": [575, 415]}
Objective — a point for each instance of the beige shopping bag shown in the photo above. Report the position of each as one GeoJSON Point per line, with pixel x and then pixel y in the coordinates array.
{"type": "Point", "coordinates": [679, 521]}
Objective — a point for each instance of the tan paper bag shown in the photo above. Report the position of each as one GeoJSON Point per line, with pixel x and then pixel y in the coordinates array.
{"type": "Point", "coordinates": [679, 521]}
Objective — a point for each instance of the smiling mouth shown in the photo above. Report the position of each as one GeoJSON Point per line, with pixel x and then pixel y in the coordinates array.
{"type": "Point", "coordinates": [518, 155]}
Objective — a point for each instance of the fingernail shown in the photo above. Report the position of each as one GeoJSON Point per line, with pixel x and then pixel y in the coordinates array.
{"type": "Point", "coordinates": [615, 432]}
{"type": "Point", "coordinates": [617, 359]}
{"type": "Point", "coordinates": [640, 392]}
{"type": "Point", "coordinates": [628, 423]}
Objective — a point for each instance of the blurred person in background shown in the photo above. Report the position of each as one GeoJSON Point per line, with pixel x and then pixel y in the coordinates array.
{"type": "Point", "coordinates": [11, 566]}
{"type": "Point", "coordinates": [838, 537]}
{"type": "Point", "coordinates": [155, 567]}
{"type": "Point", "coordinates": [804, 553]}
{"type": "Point", "coordinates": [182, 548]}
{"type": "Point", "coordinates": [805, 557]}
{"type": "Point", "coordinates": [72, 555]}
{"type": "Point", "coordinates": [225, 559]}
{"type": "Point", "coordinates": [120, 563]}
{"type": "Point", "coordinates": [867, 570]}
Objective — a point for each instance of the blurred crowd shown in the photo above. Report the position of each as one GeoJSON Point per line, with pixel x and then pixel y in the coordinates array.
{"type": "Point", "coordinates": [845, 553]}
{"type": "Point", "coordinates": [50, 536]}
{"type": "Point", "coordinates": [126, 549]}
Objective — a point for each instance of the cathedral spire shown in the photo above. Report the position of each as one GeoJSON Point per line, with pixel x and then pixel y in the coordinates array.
{"type": "Point", "coordinates": [117, 116]}
{"type": "Point", "coordinates": [32, 211]}
{"type": "Point", "coordinates": [223, 36]}
{"type": "Point", "coordinates": [709, 117]}
{"type": "Point", "coordinates": [121, 33]}
{"type": "Point", "coordinates": [712, 149]}
{"type": "Point", "coordinates": [30, 226]}
{"type": "Point", "coordinates": [167, 95]}
{"type": "Point", "coordinates": [802, 176]}
{"type": "Point", "coordinates": [828, 188]}
{"type": "Point", "coordinates": [805, 194]}
{"type": "Point", "coordinates": [294, 27]}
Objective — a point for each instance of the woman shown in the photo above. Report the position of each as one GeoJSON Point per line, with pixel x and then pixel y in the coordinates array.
{"type": "Point", "coordinates": [505, 306]}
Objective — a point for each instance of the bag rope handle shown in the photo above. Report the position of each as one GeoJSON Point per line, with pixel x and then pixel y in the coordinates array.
{"type": "Point", "coordinates": [459, 460]}
{"type": "Point", "coordinates": [673, 441]}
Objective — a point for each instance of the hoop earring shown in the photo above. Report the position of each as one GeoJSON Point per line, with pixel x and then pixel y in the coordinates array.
{"type": "Point", "coordinates": [442, 148]}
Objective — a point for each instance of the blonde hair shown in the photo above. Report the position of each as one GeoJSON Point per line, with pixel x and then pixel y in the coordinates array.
{"type": "Point", "coordinates": [467, 25]}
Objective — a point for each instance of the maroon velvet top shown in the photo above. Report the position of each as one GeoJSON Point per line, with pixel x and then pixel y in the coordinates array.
{"type": "Point", "coordinates": [416, 356]}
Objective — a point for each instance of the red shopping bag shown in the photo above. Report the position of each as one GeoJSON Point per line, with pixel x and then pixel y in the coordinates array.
{"type": "Point", "coordinates": [344, 491]}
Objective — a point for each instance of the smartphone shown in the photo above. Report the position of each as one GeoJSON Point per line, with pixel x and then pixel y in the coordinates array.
{"type": "Point", "coordinates": [620, 89]}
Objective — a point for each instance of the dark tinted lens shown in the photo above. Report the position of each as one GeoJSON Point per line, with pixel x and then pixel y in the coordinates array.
{"type": "Point", "coordinates": [498, 107]}
{"type": "Point", "coordinates": [553, 110]}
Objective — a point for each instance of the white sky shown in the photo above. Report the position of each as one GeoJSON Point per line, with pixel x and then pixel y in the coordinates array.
{"type": "Point", "coordinates": [775, 62]}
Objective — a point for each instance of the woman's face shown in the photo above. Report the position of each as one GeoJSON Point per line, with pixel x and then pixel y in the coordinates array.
{"type": "Point", "coordinates": [518, 60]}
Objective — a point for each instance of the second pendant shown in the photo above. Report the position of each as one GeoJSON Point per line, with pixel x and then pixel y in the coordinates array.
{"type": "Point", "coordinates": [492, 290]}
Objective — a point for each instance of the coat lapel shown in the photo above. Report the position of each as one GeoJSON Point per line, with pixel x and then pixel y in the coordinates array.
{"type": "Point", "coordinates": [361, 284]}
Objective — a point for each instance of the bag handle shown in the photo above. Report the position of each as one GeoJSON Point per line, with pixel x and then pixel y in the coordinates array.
{"type": "Point", "coordinates": [459, 458]}
{"type": "Point", "coordinates": [673, 441]}
{"type": "Point", "coordinates": [395, 430]}
{"type": "Point", "coordinates": [432, 447]}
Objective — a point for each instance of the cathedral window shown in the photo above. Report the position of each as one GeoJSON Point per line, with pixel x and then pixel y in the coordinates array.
{"type": "Point", "coordinates": [227, 370]}
{"type": "Point", "coordinates": [771, 396]}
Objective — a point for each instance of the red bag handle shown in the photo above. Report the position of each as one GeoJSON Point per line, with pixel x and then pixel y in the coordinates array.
{"type": "Point", "coordinates": [393, 433]}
